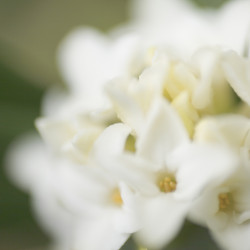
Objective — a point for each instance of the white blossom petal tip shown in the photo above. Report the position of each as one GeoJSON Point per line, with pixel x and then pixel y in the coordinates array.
{"type": "Point", "coordinates": [163, 132]}
{"type": "Point", "coordinates": [111, 141]}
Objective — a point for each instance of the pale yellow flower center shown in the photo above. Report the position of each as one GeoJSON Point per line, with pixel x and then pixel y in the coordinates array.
{"type": "Point", "coordinates": [116, 197]}
{"type": "Point", "coordinates": [167, 184]}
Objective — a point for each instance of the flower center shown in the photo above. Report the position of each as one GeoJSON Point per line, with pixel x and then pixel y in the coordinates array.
{"type": "Point", "coordinates": [167, 184]}
{"type": "Point", "coordinates": [116, 197]}
{"type": "Point", "coordinates": [225, 202]}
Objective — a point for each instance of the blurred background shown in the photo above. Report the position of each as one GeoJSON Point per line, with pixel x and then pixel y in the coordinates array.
{"type": "Point", "coordinates": [30, 32]}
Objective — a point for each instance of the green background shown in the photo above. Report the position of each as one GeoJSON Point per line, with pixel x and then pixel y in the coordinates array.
{"type": "Point", "coordinates": [30, 31]}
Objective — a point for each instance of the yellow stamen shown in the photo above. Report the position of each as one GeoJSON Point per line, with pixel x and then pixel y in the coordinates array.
{"type": "Point", "coordinates": [225, 202]}
{"type": "Point", "coordinates": [167, 184]}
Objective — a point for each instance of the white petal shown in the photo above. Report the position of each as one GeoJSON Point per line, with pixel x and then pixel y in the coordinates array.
{"type": "Point", "coordinates": [201, 166]}
{"type": "Point", "coordinates": [127, 108]}
{"type": "Point", "coordinates": [99, 233]}
{"type": "Point", "coordinates": [81, 54]}
{"type": "Point", "coordinates": [83, 189]}
{"type": "Point", "coordinates": [51, 215]}
{"type": "Point", "coordinates": [242, 199]}
{"type": "Point", "coordinates": [237, 73]}
{"type": "Point", "coordinates": [162, 218]}
{"type": "Point", "coordinates": [205, 207]}
{"type": "Point", "coordinates": [53, 101]}
{"type": "Point", "coordinates": [234, 237]}
{"type": "Point", "coordinates": [162, 133]}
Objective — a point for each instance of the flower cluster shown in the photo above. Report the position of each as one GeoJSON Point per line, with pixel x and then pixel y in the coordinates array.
{"type": "Point", "coordinates": [152, 132]}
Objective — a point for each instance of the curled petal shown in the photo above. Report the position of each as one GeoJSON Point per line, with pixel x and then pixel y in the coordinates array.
{"type": "Point", "coordinates": [111, 141]}
{"type": "Point", "coordinates": [238, 75]}
{"type": "Point", "coordinates": [225, 129]}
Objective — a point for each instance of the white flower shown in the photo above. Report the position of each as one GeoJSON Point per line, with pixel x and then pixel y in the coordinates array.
{"type": "Point", "coordinates": [167, 172]}
{"type": "Point", "coordinates": [225, 207]}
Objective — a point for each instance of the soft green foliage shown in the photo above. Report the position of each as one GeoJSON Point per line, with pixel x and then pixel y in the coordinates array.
{"type": "Point", "coordinates": [19, 105]}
